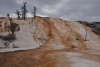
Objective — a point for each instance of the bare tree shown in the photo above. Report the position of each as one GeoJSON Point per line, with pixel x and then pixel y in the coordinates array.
{"type": "Point", "coordinates": [24, 10]}
{"type": "Point", "coordinates": [34, 11]}
{"type": "Point", "coordinates": [18, 13]}
{"type": "Point", "coordinates": [8, 15]}
{"type": "Point", "coordinates": [77, 37]}
{"type": "Point", "coordinates": [12, 28]}
{"type": "Point", "coordinates": [86, 35]}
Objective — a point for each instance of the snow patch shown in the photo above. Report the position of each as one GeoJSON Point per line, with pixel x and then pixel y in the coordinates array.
{"type": "Point", "coordinates": [72, 54]}
{"type": "Point", "coordinates": [95, 53]}
{"type": "Point", "coordinates": [57, 46]}
{"type": "Point", "coordinates": [78, 62]}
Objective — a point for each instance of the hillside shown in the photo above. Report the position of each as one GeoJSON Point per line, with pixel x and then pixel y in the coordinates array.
{"type": "Point", "coordinates": [50, 42]}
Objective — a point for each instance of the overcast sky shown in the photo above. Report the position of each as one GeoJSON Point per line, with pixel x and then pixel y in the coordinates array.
{"type": "Point", "coordinates": [85, 10]}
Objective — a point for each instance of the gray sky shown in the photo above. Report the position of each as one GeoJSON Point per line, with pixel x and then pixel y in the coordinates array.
{"type": "Point", "coordinates": [86, 10]}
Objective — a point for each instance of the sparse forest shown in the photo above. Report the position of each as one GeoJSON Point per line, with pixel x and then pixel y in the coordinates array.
{"type": "Point", "coordinates": [14, 27]}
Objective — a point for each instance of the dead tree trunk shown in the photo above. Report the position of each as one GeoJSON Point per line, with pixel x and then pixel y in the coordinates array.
{"type": "Point", "coordinates": [86, 35]}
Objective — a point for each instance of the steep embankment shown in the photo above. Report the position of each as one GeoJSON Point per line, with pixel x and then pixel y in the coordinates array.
{"type": "Point", "coordinates": [51, 33]}
{"type": "Point", "coordinates": [65, 34]}
{"type": "Point", "coordinates": [55, 33]}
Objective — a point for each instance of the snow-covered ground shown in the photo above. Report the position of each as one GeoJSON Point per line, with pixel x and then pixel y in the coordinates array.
{"type": "Point", "coordinates": [81, 62]}
{"type": "Point", "coordinates": [93, 40]}
{"type": "Point", "coordinates": [79, 58]}
{"type": "Point", "coordinates": [58, 46]}
{"type": "Point", "coordinates": [63, 35]}
{"type": "Point", "coordinates": [24, 40]}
